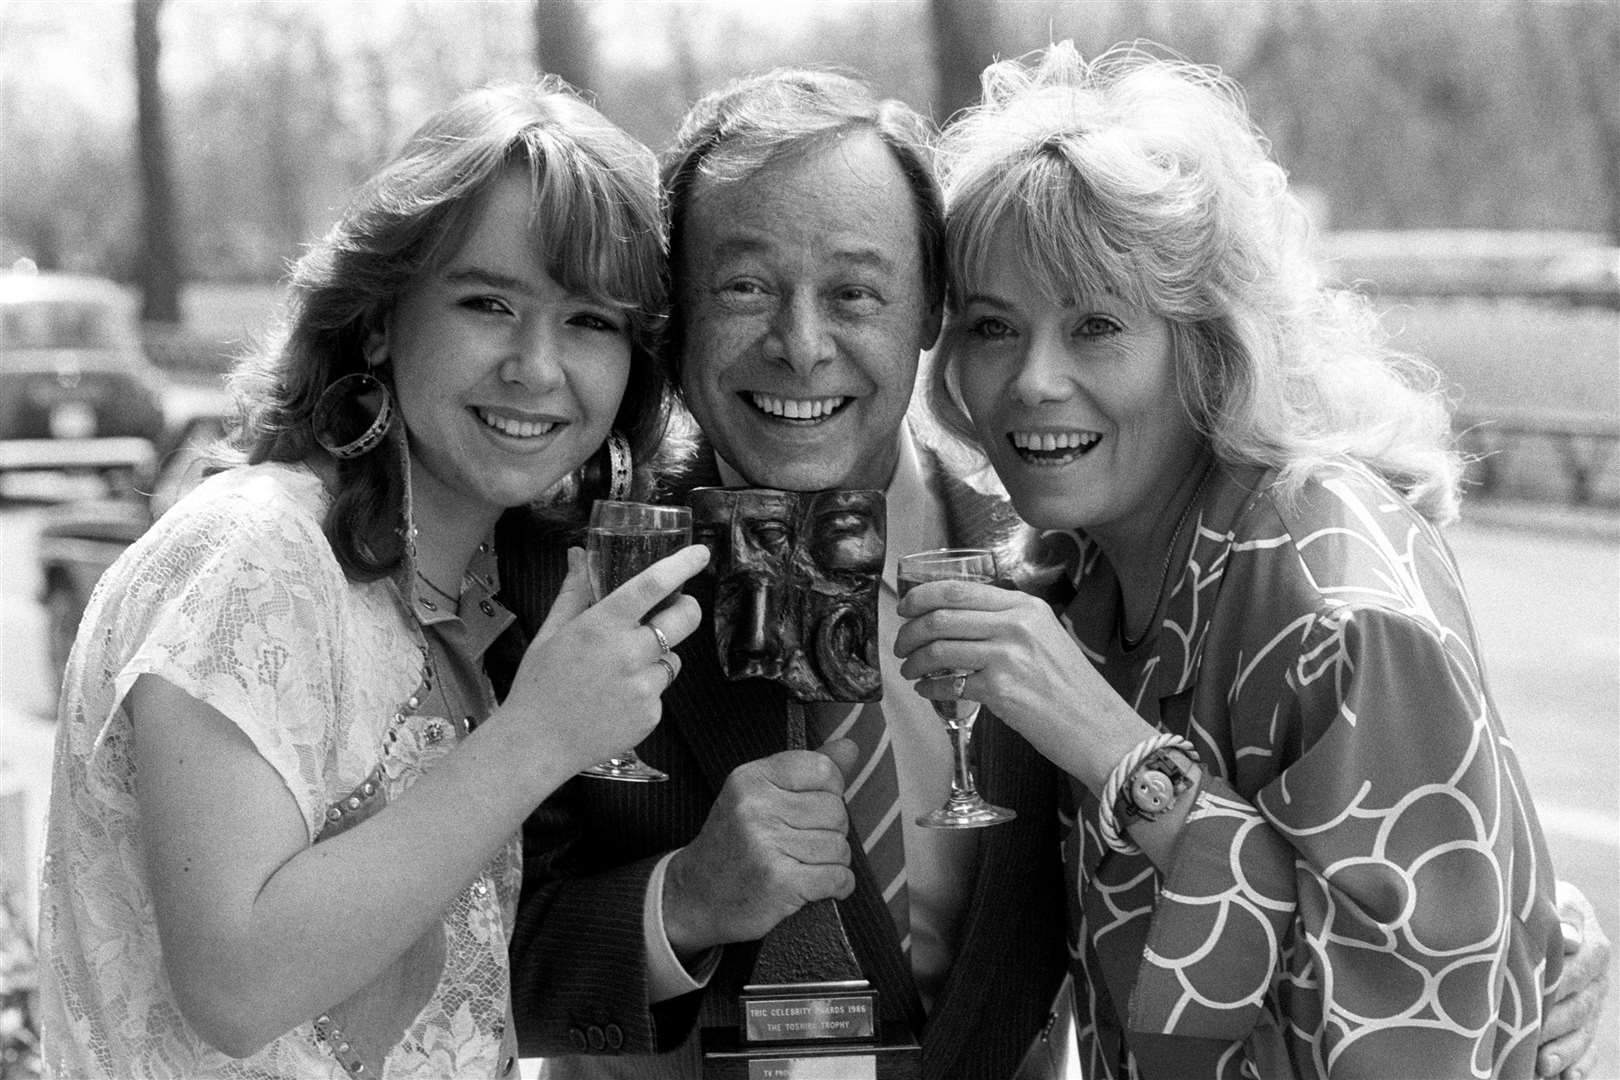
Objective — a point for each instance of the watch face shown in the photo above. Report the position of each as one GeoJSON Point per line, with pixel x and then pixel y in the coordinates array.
{"type": "Point", "coordinates": [1152, 792]}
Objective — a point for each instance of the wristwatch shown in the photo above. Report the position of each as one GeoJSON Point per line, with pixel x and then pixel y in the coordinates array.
{"type": "Point", "coordinates": [1153, 786]}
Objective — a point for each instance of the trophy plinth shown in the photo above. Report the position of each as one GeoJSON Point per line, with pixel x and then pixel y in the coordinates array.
{"type": "Point", "coordinates": [808, 1013]}
{"type": "Point", "coordinates": [809, 1024]}
{"type": "Point", "coordinates": [894, 1055]}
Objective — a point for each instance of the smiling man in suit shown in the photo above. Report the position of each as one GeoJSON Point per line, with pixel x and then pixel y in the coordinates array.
{"type": "Point", "coordinates": [807, 257]}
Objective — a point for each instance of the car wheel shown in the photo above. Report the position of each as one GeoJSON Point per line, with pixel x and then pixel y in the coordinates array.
{"type": "Point", "coordinates": [63, 609]}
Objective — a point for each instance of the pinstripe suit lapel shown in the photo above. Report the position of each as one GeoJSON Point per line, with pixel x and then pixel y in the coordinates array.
{"type": "Point", "coordinates": [532, 560]}
{"type": "Point", "coordinates": [723, 723]}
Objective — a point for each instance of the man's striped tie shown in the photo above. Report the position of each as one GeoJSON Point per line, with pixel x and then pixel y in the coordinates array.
{"type": "Point", "coordinates": [873, 798]}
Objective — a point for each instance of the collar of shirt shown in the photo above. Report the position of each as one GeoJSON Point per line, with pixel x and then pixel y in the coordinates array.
{"type": "Point", "coordinates": [481, 614]}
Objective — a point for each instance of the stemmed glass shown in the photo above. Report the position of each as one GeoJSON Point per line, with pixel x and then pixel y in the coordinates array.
{"type": "Point", "coordinates": [966, 808]}
{"type": "Point", "coordinates": [623, 539]}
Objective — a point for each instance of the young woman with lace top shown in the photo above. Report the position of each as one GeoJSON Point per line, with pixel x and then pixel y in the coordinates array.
{"type": "Point", "coordinates": [286, 802]}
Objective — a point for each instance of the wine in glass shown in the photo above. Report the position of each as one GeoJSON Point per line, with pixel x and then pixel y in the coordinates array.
{"type": "Point", "coordinates": [624, 538]}
{"type": "Point", "coordinates": [966, 808]}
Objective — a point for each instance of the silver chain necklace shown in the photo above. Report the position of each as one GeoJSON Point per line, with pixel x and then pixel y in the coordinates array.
{"type": "Point", "coordinates": [454, 600]}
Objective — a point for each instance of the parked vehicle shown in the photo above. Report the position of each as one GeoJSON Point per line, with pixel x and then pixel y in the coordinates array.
{"type": "Point", "coordinates": [76, 389]}
{"type": "Point", "coordinates": [78, 541]}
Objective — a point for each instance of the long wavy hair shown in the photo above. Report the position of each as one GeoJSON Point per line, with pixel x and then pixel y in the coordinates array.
{"type": "Point", "coordinates": [596, 215]}
{"type": "Point", "coordinates": [1143, 176]}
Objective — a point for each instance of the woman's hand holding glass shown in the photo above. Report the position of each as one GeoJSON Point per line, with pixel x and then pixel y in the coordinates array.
{"type": "Point", "coordinates": [1024, 665]}
{"type": "Point", "coordinates": [624, 539]}
{"type": "Point", "coordinates": [595, 673]}
{"type": "Point", "coordinates": [965, 808]}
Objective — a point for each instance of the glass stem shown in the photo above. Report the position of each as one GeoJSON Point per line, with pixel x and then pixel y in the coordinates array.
{"type": "Point", "coordinates": [961, 734]}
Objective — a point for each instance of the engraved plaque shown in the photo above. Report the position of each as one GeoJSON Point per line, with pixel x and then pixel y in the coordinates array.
{"type": "Point", "coordinates": [798, 1011]}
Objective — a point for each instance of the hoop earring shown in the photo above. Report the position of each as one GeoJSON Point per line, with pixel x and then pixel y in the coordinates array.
{"type": "Point", "coordinates": [352, 415]}
{"type": "Point", "coordinates": [608, 473]}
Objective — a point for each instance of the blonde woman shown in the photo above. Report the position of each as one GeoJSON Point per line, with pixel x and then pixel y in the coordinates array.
{"type": "Point", "coordinates": [1303, 844]}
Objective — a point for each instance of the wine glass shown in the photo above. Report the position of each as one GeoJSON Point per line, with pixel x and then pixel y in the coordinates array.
{"type": "Point", "coordinates": [966, 808]}
{"type": "Point", "coordinates": [624, 538]}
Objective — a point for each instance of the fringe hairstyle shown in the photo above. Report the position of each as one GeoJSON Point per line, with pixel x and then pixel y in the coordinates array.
{"type": "Point", "coordinates": [596, 215]}
{"type": "Point", "coordinates": [1144, 176]}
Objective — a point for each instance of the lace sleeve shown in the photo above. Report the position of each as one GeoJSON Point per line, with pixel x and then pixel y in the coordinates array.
{"type": "Point", "coordinates": [237, 604]}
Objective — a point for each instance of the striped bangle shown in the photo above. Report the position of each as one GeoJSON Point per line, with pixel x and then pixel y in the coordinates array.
{"type": "Point", "coordinates": [1108, 823]}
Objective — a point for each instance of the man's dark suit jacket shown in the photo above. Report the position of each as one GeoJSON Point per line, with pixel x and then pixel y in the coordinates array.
{"type": "Point", "coordinates": [579, 971]}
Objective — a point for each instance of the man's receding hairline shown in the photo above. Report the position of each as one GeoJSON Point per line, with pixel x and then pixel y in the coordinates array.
{"type": "Point", "coordinates": [705, 182]}
{"type": "Point", "coordinates": [719, 163]}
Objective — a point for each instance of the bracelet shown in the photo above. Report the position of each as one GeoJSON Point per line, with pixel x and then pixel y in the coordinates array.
{"type": "Point", "coordinates": [1142, 786]}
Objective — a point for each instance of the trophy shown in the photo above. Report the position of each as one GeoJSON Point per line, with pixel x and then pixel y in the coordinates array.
{"type": "Point", "coordinates": [796, 602]}
{"type": "Point", "coordinates": [796, 587]}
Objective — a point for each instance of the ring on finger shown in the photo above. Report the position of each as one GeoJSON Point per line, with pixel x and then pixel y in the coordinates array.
{"type": "Point", "coordinates": [663, 642]}
{"type": "Point", "coordinates": [669, 669]}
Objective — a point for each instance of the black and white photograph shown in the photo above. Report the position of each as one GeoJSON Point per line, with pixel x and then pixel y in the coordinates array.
{"type": "Point", "coordinates": [810, 540]}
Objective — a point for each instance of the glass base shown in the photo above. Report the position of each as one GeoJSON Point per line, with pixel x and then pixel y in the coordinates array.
{"type": "Point", "coordinates": [972, 813]}
{"type": "Point", "coordinates": [632, 769]}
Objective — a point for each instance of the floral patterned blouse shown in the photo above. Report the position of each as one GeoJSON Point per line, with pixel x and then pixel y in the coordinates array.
{"type": "Point", "coordinates": [349, 691]}
{"type": "Point", "coordinates": [1361, 887]}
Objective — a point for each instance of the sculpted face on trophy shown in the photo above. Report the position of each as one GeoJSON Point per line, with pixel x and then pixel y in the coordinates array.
{"type": "Point", "coordinates": [797, 581]}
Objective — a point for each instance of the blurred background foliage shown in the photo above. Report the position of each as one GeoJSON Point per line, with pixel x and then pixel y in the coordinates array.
{"type": "Point", "coordinates": [1401, 114]}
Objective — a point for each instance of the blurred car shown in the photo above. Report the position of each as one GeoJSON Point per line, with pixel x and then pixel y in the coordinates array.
{"type": "Point", "coordinates": [79, 540]}
{"type": "Point", "coordinates": [76, 389]}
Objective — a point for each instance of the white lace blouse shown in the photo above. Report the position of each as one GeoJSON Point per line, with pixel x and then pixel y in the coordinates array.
{"type": "Point", "coordinates": [234, 596]}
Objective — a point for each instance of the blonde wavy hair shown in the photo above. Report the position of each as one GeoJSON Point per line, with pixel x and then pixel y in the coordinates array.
{"type": "Point", "coordinates": [1143, 175]}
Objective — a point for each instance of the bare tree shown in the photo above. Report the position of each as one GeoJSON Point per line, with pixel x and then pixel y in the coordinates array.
{"type": "Point", "coordinates": [563, 41]}
{"type": "Point", "coordinates": [688, 69]}
{"type": "Point", "coordinates": [964, 43]}
{"type": "Point", "coordinates": [1592, 50]}
{"type": "Point", "coordinates": [158, 266]}
{"type": "Point", "coordinates": [300, 76]}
